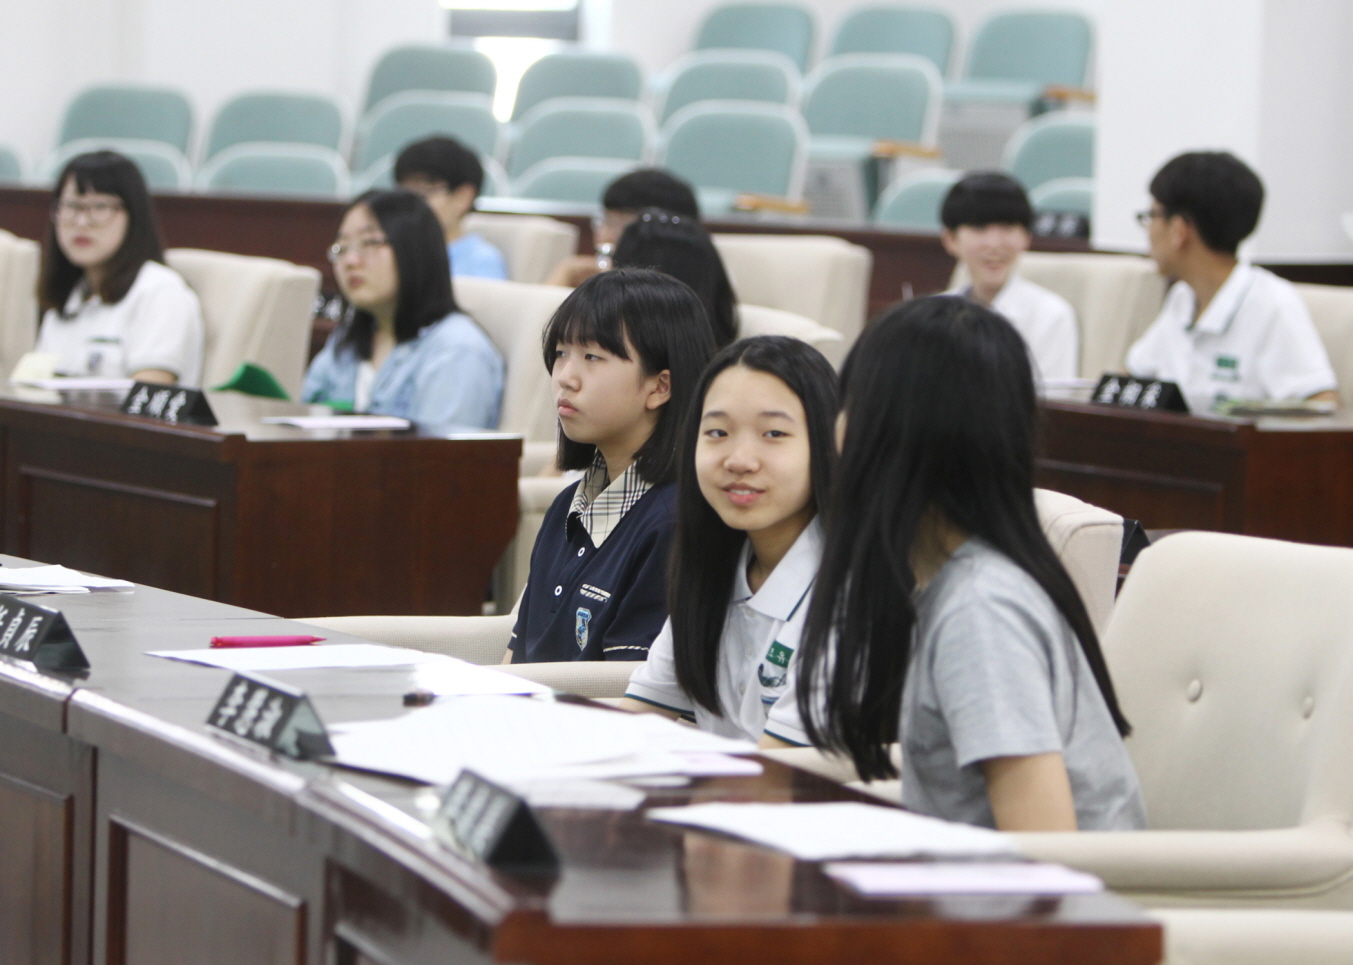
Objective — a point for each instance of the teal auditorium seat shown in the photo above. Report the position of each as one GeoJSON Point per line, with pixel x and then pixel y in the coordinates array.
{"type": "Point", "coordinates": [401, 119]}
{"type": "Point", "coordinates": [1056, 145]}
{"type": "Point", "coordinates": [582, 127]}
{"type": "Point", "coordinates": [1014, 56]}
{"type": "Point", "coordinates": [283, 169]}
{"type": "Point", "coordinates": [129, 111]}
{"type": "Point", "coordinates": [874, 96]}
{"type": "Point", "coordinates": [912, 202]}
{"type": "Point", "coordinates": [162, 165]}
{"type": "Point", "coordinates": [787, 28]}
{"type": "Point", "coordinates": [730, 147]}
{"type": "Point", "coordinates": [430, 67]}
{"type": "Point", "coordinates": [577, 73]}
{"type": "Point", "coordinates": [1065, 196]}
{"type": "Point", "coordinates": [923, 31]}
{"type": "Point", "coordinates": [11, 169]}
{"type": "Point", "coordinates": [275, 117]}
{"type": "Point", "coordinates": [574, 180]}
{"type": "Point", "coordinates": [736, 75]}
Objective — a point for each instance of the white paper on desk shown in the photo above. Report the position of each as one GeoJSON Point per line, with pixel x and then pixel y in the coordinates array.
{"type": "Point", "coordinates": [578, 794]}
{"type": "Point", "coordinates": [846, 829]}
{"type": "Point", "coordinates": [331, 656]}
{"type": "Point", "coordinates": [509, 739]}
{"type": "Point", "coordinates": [963, 878]}
{"type": "Point", "coordinates": [338, 421]}
{"type": "Point", "coordinates": [452, 677]}
{"type": "Point", "coordinates": [78, 384]}
{"type": "Point", "coordinates": [56, 579]}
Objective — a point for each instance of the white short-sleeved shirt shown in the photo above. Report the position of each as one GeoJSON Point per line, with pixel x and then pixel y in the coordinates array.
{"type": "Point", "coordinates": [756, 653]}
{"type": "Point", "coordinates": [996, 671]}
{"type": "Point", "coordinates": [1047, 322]}
{"type": "Point", "coordinates": [1255, 340]}
{"type": "Point", "coordinates": [157, 325]}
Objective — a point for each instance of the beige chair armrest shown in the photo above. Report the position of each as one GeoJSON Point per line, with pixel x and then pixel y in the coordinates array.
{"type": "Point", "coordinates": [830, 766]}
{"type": "Point", "coordinates": [586, 678]}
{"type": "Point", "coordinates": [1312, 858]}
{"type": "Point", "coordinates": [481, 640]}
{"type": "Point", "coordinates": [1246, 936]}
{"type": "Point", "coordinates": [535, 456]}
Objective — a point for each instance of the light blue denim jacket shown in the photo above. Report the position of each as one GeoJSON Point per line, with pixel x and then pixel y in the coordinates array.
{"type": "Point", "coordinates": [451, 374]}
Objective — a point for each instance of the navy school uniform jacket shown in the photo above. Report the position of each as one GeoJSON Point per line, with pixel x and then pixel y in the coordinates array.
{"type": "Point", "coordinates": [585, 603]}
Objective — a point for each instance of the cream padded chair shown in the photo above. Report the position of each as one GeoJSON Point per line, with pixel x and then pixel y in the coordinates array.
{"type": "Point", "coordinates": [1331, 308]}
{"type": "Point", "coordinates": [1196, 936]}
{"type": "Point", "coordinates": [480, 640]}
{"type": "Point", "coordinates": [1232, 657]}
{"type": "Point", "coordinates": [19, 261]}
{"type": "Point", "coordinates": [1089, 542]}
{"type": "Point", "coordinates": [821, 277]}
{"type": "Point", "coordinates": [531, 245]}
{"type": "Point", "coordinates": [255, 309]}
{"type": "Point", "coordinates": [758, 320]}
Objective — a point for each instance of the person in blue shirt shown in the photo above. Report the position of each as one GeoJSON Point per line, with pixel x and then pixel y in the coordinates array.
{"type": "Point", "coordinates": [404, 348]}
{"type": "Point", "coordinates": [449, 178]}
{"type": "Point", "coordinates": [624, 352]}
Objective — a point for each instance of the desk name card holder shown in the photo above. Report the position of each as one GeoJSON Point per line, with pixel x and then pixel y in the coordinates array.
{"type": "Point", "coordinates": [271, 715]}
{"type": "Point", "coordinates": [38, 635]}
{"type": "Point", "coordinates": [169, 403]}
{"type": "Point", "coordinates": [1129, 392]}
{"type": "Point", "coordinates": [491, 824]}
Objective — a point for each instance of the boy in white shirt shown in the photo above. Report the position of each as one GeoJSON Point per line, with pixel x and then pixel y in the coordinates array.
{"type": "Point", "coordinates": [986, 219]}
{"type": "Point", "coordinates": [1228, 330]}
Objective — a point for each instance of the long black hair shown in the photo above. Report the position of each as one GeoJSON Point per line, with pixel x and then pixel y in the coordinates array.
{"type": "Point", "coordinates": [665, 324]}
{"type": "Point", "coordinates": [705, 550]}
{"type": "Point", "coordinates": [102, 172]}
{"type": "Point", "coordinates": [941, 421]}
{"type": "Point", "coordinates": [679, 246]}
{"type": "Point", "coordinates": [424, 270]}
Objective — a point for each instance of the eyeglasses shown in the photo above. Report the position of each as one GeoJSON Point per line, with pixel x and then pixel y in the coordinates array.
{"type": "Point", "coordinates": [1144, 218]}
{"type": "Point", "coordinates": [96, 214]}
{"type": "Point", "coordinates": [363, 248]}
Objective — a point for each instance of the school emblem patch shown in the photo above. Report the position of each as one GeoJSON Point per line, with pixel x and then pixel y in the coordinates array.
{"type": "Point", "coordinates": [584, 617]}
{"type": "Point", "coordinates": [775, 669]}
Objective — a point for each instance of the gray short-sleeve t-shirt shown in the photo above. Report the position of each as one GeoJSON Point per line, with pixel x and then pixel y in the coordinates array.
{"type": "Point", "coordinates": [997, 671]}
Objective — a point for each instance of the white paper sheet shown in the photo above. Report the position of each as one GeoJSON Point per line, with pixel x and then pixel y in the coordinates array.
{"type": "Point", "coordinates": [338, 421]}
{"type": "Point", "coordinates": [450, 677]}
{"type": "Point", "coordinates": [57, 579]}
{"type": "Point", "coordinates": [586, 795]}
{"type": "Point", "coordinates": [338, 655]}
{"type": "Point", "coordinates": [963, 878]}
{"type": "Point", "coordinates": [821, 832]}
{"type": "Point", "coordinates": [79, 384]}
{"type": "Point", "coordinates": [509, 739]}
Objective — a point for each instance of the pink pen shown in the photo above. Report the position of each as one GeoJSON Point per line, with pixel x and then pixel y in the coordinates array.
{"type": "Point", "coordinates": [218, 642]}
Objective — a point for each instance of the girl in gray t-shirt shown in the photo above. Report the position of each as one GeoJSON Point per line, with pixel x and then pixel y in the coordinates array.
{"type": "Point", "coordinates": [941, 616]}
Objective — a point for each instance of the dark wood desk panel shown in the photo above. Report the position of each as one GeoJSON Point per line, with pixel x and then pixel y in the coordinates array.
{"type": "Point", "coordinates": [1280, 478]}
{"type": "Point", "coordinates": [204, 850]}
{"type": "Point", "coordinates": [265, 517]}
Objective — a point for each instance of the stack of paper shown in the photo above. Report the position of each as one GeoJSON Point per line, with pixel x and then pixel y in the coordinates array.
{"type": "Point", "coordinates": [54, 579]}
{"type": "Point", "coordinates": [846, 829]}
{"type": "Point", "coordinates": [265, 659]}
{"type": "Point", "coordinates": [510, 740]}
{"type": "Point", "coordinates": [339, 421]}
{"type": "Point", "coordinates": [885, 880]}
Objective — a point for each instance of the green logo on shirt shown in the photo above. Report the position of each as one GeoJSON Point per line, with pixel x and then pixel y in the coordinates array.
{"type": "Point", "coordinates": [779, 654]}
{"type": "Point", "coordinates": [1227, 368]}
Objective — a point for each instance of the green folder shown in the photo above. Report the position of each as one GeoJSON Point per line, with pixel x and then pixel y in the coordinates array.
{"type": "Point", "coordinates": [254, 379]}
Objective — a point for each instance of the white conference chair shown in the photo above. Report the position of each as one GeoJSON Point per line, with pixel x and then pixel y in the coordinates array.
{"type": "Point", "coordinates": [19, 263]}
{"type": "Point", "coordinates": [531, 245]}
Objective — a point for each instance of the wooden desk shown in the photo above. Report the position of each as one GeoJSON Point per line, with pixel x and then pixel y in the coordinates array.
{"type": "Point", "coordinates": [267, 517]}
{"type": "Point", "coordinates": [1282, 478]}
{"type": "Point", "coordinates": [150, 841]}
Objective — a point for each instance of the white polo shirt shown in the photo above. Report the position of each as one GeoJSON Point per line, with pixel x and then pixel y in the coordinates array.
{"type": "Point", "coordinates": [1254, 341]}
{"type": "Point", "coordinates": [157, 325]}
{"type": "Point", "coordinates": [1046, 320]}
{"type": "Point", "coordinates": [756, 654]}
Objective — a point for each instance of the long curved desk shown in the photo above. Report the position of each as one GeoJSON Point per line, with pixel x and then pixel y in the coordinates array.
{"type": "Point", "coordinates": [129, 835]}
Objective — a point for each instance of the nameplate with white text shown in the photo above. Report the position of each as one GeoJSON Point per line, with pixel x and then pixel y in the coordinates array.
{"type": "Point", "coordinates": [169, 403]}
{"type": "Point", "coordinates": [1130, 392]}
{"type": "Point", "coordinates": [38, 635]}
{"type": "Point", "coordinates": [271, 715]}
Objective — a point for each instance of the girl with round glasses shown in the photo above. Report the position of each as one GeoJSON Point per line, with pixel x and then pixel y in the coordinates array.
{"type": "Point", "coordinates": [112, 307]}
{"type": "Point", "coordinates": [404, 348]}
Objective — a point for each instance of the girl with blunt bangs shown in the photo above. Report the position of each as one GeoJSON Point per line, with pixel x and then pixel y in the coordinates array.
{"type": "Point", "coordinates": [111, 307]}
{"type": "Point", "coordinates": [942, 617]}
{"type": "Point", "coordinates": [757, 453]}
{"type": "Point", "coordinates": [405, 348]}
{"type": "Point", "coordinates": [624, 353]}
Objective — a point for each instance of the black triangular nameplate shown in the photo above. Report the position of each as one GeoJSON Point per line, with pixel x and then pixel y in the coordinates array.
{"type": "Point", "coordinates": [493, 825]}
{"type": "Point", "coordinates": [1133, 393]}
{"type": "Point", "coordinates": [39, 635]}
{"type": "Point", "coordinates": [169, 403]}
{"type": "Point", "coordinates": [270, 715]}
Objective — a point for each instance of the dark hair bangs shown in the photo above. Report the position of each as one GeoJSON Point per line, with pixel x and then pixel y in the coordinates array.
{"type": "Point", "coordinates": [986, 198]}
